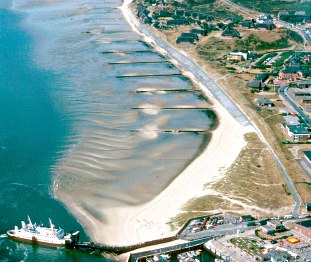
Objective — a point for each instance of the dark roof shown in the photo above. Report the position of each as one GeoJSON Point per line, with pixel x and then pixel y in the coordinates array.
{"type": "Point", "coordinates": [291, 70]}
{"type": "Point", "coordinates": [298, 129]}
{"type": "Point", "coordinates": [306, 223]}
{"type": "Point", "coordinates": [257, 84]}
{"type": "Point", "coordinates": [302, 94]}
{"type": "Point", "coordinates": [262, 77]}
{"type": "Point", "coordinates": [246, 217]}
{"type": "Point", "coordinates": [266, 25]}
{"type": "Point", "coordinates": [307, 154]}
{"type": "Point", "coordinates": [264, 101]}
{"type": "Point", "coordinates": [185, 40]}
{"type": "Point", "coordinates": [231, 32]}
{"type": "Point", "coordinates": [193, 35]}
{"type": "Point", "coordinates": [198, 31]}
{"type": "Point", "coordinates": [177, 22]}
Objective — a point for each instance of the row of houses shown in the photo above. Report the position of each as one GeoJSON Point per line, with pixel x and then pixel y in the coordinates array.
{"type": "Point", "coordinates": [298, 17]}
{"type": "Point", "coordinates": [267, 25]}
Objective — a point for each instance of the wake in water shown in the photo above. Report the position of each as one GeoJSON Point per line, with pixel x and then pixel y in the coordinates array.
{"type": "Point", "coordinates": [127, 102]}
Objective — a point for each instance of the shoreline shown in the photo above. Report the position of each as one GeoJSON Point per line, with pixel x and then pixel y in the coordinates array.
{"type": "Point", "coordinates": [125, 225]}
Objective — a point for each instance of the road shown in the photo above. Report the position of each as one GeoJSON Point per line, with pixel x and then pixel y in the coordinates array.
{"type": "Point", "coordinates": [283, 92]}
{"type": "Point", "coordinates": [201, 77]}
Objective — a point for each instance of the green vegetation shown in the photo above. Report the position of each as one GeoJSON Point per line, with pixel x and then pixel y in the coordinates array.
{"type": "Point", "coordinates": [254, 42]}
{"type": "Point", "coordinates": [295, 36]}
{"type": "Point", "coordinates": [264, 58]}
{"type": "Point", "coordinates": [248, 245]}
{"type": "Point", "coordinates": [275, 6]}
{"type": "Point", "coordinates": [283, 58]}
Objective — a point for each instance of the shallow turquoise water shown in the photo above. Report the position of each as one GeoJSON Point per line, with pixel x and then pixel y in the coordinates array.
{"type": "Point", "coordinates": [41, 116]}
{"type": "Point", "coordinates": [32, 132]}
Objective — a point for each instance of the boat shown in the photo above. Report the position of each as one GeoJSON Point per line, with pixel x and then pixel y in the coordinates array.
{"type": "Point", "coordinates": [40, 235]}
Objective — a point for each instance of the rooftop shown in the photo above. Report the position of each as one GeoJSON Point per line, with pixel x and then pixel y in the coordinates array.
{"type": "Point", "coordinates": [305, 223]}
{"type": "Point", "coordinates": [264, 100]}
{"type": "Point", "coordinates": [307, 154]}
{"type": "Point", "coordinates": [298, 129]}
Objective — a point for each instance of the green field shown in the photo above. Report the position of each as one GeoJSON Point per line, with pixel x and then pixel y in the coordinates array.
{"type": "Point", "coordinates": [275, 6]}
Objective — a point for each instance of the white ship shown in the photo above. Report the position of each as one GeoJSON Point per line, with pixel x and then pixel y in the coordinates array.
{"type": "Point", "coordinates": [38, 234]}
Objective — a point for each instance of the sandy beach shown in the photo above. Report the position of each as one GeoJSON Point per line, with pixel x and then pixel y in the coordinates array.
{"type": "Point", "coordinates": [137, 223]}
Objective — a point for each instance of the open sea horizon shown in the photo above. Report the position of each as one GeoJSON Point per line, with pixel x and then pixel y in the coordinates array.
{"type": "Point", "coordinates": [69, 112]}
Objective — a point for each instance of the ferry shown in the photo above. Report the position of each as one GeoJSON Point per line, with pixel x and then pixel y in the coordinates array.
{"type": "Point", "coordinates": [40, 235]}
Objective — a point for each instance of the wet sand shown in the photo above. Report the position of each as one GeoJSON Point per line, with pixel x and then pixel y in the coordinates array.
{"type": "Point", "coordinates": [134, 222]}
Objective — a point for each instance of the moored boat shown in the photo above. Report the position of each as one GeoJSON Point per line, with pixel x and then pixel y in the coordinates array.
{"type": "Point", "coordinates": [40, 235]}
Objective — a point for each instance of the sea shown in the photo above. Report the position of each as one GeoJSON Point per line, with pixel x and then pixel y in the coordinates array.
{"type": "Point", "coordinates": [86, 106]}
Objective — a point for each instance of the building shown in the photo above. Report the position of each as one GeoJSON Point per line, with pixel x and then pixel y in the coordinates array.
{"type": "Point", "coordinates": [306, 157]}
{"type": "Point", "coordinates": [240, 55]}
{"type": "Point", "coordinates": [304, 84]}
{"type": "Point", "coordinates": [308, 205]}
{"type": "Point", "coordinates": [306, 100]}
{"type": "Point", "coordinates": [304, 227]}
{"type": "Point", "coordinates": [185, 40]}
{"type": "Point", "coordinates": [262, 77]}
{"type": "Point", "coordinates": [290, 73]}
{"type": "Point", "coordinates": [174, 22]}
{"type": "Point", "coordinates": [291, 120]}
{"type": "Point", "coordinates": [257, 84]}
{"type": "Point", "coordinates": [192, 35]}
{"type": "Point", "coordinates": [264, 102]}
{"type": "Point", "coordinates": [266, 26]}
{"type": "Point", "coordinates": [275, 224]}
{"type": "Point", "coordinates": [231, 33]}
{"type": "Point", "coordinates": [302, 94]}
{"type": "Point", "coordinates": [200, 32]}
{"type": "Point", "coordinates": [298, 133]}
{"type": "Point", "coordinates": [267, 229]}
{"type": "Point", "coordinates": [247, 23]}
{"type": "Point", "coordinates": [246, 218]}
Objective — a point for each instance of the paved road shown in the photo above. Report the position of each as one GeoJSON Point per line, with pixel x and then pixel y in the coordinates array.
{"type": "Point", "coordinates": [189, 65]}
{"type": "Point", "coordinates": [283, 92]}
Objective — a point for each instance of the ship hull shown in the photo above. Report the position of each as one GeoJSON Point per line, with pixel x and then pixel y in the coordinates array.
{"type": "Point", "coordinates": [35, 242]}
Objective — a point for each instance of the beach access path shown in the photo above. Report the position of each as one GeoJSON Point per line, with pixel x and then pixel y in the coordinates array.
{"type": "Point", "coordinates": [125, 225]}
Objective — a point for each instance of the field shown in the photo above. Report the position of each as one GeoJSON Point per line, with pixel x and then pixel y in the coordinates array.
{"type": "Point", "coordinates": [275, 6]}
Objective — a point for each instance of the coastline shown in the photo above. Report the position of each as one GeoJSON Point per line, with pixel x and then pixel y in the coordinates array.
{"type": "Point", "coordinates": [137, 223]}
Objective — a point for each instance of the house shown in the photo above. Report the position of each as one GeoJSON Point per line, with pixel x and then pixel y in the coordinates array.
{"type": "Point", "coordinates": [298, 133]}
{"type": "Point", "coordinates": [267, 229]}
{"type": "Point", "coordinates": [275, 224]}
{"type": "Point", "coordinates": [308, 205]}
{"type": "Point", "coordinates": [290, 73]}
{"type": "Point", "coordinates": [306, 100]}
{"type": "Point", "coordinates": [304, 84]}
{"type": "Point", "coordinates": [179, 12]}
{"type": "Point", "coordinates": [185, 40]}
{"type": "Point", "coordinates": [231, 33]}
{"type": "Point", "coordinates": [247, 23]}
{"type": "Point", "coordinates": [262, 77]}
{"type": "Point", "coordinates": [200, 32]}
{"type": "Point", "coordinates": [306, 158]}
{"type": "Point", "coordinates": [302, 94]}
{"type": "Point", "coordinates": [246, 218]}
{"type": "Point", "coordinates": [266, 25]}
{"type": "Point", "coordinates": [304, 227]}
{"type": "Point", "coordinates": [291, 120]}
{"type": "Point", "coordinates": [240, 55]}
{"type": "Point", "coordinates": [174, 22]}
{"type": "Point", "coordinates": [264, 102]}
{"type": "Point", "coordinates": [194, 36]}
{"type": "Point", "coordinates": [257, 84]}
{"type": "Point", "coordinates": [165, 13]}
